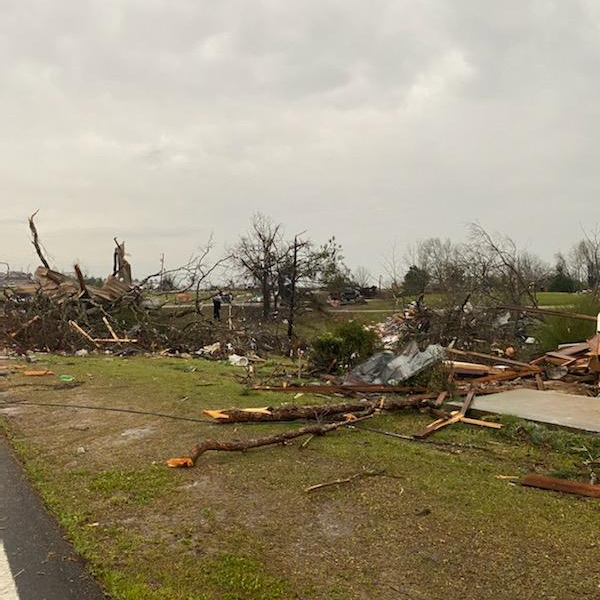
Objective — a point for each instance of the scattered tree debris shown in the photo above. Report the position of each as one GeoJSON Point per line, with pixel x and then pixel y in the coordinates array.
{"type": "Point", "coordinates": [364, 473]}
{"type": "Point", "coordinates": [278, 438]}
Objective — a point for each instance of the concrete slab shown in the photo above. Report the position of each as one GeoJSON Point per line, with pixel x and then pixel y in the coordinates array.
{"type": "Point", "coordinates": [554, 408]}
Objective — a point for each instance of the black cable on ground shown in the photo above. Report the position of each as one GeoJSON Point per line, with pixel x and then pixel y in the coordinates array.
{"type": "Point", "coordinates": [141, 412]}
{"type": "Point", "coordinates": [108, 408]}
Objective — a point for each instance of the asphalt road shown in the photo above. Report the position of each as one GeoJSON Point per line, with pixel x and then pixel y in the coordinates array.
{"type": "Point", "coordinates": [36, 562]}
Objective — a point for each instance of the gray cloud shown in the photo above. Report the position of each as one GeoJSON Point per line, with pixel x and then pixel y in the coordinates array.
{"type": "Point", "coordinates": [163, 121]}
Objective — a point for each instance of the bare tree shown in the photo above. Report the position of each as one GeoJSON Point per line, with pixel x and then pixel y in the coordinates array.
{"type": "Point", "coordinates": [258, 253]}
{"type": "Point", "coordinates": [507, 272]}
{"type": "Point", "coordinates": [362, 277]}
{"type": "Point", "coordinates": [584, 259]}
{"type": "Point", "coordinates": [441, 260]}
{"type": "Point", "coordinates": [394, 269]}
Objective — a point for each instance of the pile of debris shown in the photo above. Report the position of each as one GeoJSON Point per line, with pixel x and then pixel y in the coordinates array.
{"type": "Point", "coordinates": [464, 325]}
{"type": "Point", "coordinates": [415, 318]}
{"type": "Point", "coordinates": [60, 287]}
{"type": "Point", "coordinates": [573, 362]}
{"type": "Point", "coordinates": [57, 312]}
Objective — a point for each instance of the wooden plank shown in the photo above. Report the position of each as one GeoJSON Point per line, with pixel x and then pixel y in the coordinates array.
{"type": "Point", "coordinates": [565, 358]}
{"type": "Point", "coordinates": [481, 423]}
{"type": "Point", "coordinates": [504, 376]}
{"type": "Point", "coordinates": [467, 403]}
{"type": "Point", "coordinates": [454, 417]}
{"type": "Point", "coordinates": [496, 359]}
{"type": "Point", "coordinates": [85, 334]}
{"type": "Point", "coordinates": [539, 382]}
{"type": "Point", "coordinates": [468, 368]}
{"type": "Point", "coordinates": [561, 485]}
{"type": "Point", "coordinates": [110, 329]}
{"type": "Point", "coordinates": [440, 399]}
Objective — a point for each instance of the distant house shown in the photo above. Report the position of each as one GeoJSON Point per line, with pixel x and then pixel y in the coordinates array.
{"type": "Point", "coordinates": [14, 279]}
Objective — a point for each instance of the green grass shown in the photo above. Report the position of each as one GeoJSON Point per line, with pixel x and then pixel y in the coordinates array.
{"type": "Point", "coordinates": [560, 330]}
{"type": "Point", "coordinates": [556, 298]}
{"type": "Point", "coordinates": [239, 526]}
{"type": "Point", "coordinates": [226, 577]}
{"type": "Point", "coordinates": [136, 486]}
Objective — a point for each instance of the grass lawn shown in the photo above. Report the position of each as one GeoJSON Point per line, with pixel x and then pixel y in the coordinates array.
{"type": "Point", "coordinates": [239, 526]}
{"type": "Point", "coordinates": [556, 298]}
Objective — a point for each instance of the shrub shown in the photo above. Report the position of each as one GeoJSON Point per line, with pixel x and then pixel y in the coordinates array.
{"type": "Point", "coordinates": [343, 346]}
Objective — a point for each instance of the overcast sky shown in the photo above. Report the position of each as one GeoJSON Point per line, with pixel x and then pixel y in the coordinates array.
{"type": "Point", "coordinates": [161, 121]}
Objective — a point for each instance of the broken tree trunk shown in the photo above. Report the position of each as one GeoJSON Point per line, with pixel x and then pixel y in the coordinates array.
{"type": "Point", "coordinates": [81, 282]}
{"type": "Point", "coordinates": [121, 267]}
{"type": "Point", "coordinates": [36, 240]}
{"type": "Point", "coordinates": [291, 412]}
{"type": "Point", "coordinates": [278, 438]}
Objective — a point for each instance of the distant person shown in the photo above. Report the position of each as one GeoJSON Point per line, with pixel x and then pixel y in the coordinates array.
{"type": "Point", "coordinates": [217, 301]}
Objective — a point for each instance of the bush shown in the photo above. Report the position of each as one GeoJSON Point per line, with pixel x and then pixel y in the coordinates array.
{"type": "Point", "coordinates": [560, 330]}
{"type": "Point", "coordinates": [343, 346]}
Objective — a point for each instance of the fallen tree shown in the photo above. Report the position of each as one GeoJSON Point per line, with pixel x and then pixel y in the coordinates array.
{"type": "Point", "coordinates": [292, 412]}
{"type": "Point", "coordinates": [278, 438]}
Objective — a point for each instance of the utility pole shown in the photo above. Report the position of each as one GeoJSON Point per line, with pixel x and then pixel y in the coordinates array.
{"type": "Point", "coordinates": [162, 270]}
{"type": "Point", "coordinates": [290, 330]}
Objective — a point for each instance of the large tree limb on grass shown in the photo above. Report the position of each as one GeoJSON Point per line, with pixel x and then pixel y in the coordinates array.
{"type": "Point", "coordinates": [278, 438]}
{"type": "Point", "coordinates": [291, 412]}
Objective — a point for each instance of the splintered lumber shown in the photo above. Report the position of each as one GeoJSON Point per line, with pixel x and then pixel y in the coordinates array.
{"type": "Point", "coordinates": [110, 329]}
{"type": "Point", "coordinates": [490, 357]}
{"type": "Point", "coordinates": [41, 373]}
{"type": "Point", "coordinates": [467, 403]}
{"type": "Point", "coordinates": [539, 382]}
{"type": "Point", "coordinates": [508, 375]}
{"type": "Point", "coordinates": [291, 412]}
{"type": "Point", "coordinates": [365, 388]}
{"type": "Point", "coordinates": [25, 326]}
{"type": "Point", "coordinates": [96, 341]}
{"type": "Point", "coordinates": [278, 438]}
{"type": "Point", "coordinates": [490, 424]}
{"type": "Point", "coordinates": [440, 399]}
{"type": "Point", "coordinates": [469, 368]}
{"type": "Point", "coordinates": [561, 485]}
{"type": "Point", "coordinates": [454, 417]}
{"type": "Point", "coordinates": [84, 333]}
